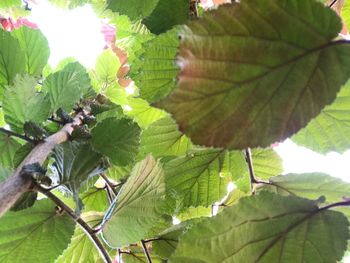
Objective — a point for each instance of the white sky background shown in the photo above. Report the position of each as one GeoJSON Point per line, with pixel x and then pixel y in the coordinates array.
{"type": "Point", "coordinates": [77, 33]}
{"type": "Point", "coordinates": [71, 33]}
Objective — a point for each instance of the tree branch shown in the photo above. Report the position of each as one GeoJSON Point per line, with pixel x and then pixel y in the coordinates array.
{"type": "Point", "coordinates": [91, 233]}
{"type": "Point", "coordinates": [332, 4]}
{"type": "Point", "coordinates": [143, 243]}
{"type": "Point", "coordinates": [109, 184]}
{"type": "Point", "coordinates": [16, 185]}
{"type": "Point", "coordinates": [248, 158]}
{"type": "Point", "coordinates": [11, 133]}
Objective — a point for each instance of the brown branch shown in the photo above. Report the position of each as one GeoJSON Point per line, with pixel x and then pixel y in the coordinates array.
{"type": "Point", "coordinates": [333, 3]}
{"type": "Point", "coordinates": [248, 158]}
{"type": "Point", "coordinates": [90, 232]}
{"type": "Point", "coordinates": [143, 243]}
{"type": "Point", "coordinates": [16, 185]}
{"type": "Point", "coordinates": [11, 133]}
{"type": "Point", "coordinates": [109, 184]}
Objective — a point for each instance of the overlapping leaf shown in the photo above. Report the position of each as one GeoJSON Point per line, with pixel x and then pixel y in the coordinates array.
{"type": "Point", "coordinates": [35, 48]}
{"type": "Point", "coordinates": [10, 3]}
{"type": "Point", "coordinates": [266, 228]}
{"type": "Point", "coordinates": [36, 234]}
{"type": "Point", "coordinates": [4, 173]}
{"type": "Point", "coordinates": [106, 68]}
{"type": "Point", "coordinates": [162, 138]}
{"type": "Point", "coordinates": [330, 130]}
{"type": "Point", "coordinates": [139, 210]}
{"type": "Point", "coordinates": [195, 179]}
{"type": "Point", "coordinates": [142, 112]}
{"type": "Point", "coordinates": [84, 79]}
{"type": "Point", "coordinates": [12, 59]}
{"type": "Point", "coordinates": [155, 71]}
{"type": "Point", "coordinates": [75, 163]}
{"type": "Point", "coordinates": [266, 163]}
{"type": "Point", "coordinates": [8, 148]}
{"type": "Point", "coordinates": [81, 248]}
{"type": "Point", "coordinates": [118, 139]}
{"type": "Point", "coordinates": [134, 9]}
{"type": "Point", "coordinates": [256, 72]}
{"type": "Point", "coordinates": [24, 103]}
{"type": "Point", "coordinates": [167, 14]}
{"type": "Point", "coordinates": [310, 185]}
{"type": "Point", "coordinates": [166, 242]}
{"type": "Point", "coordinates": [95, 199]}
{"type": "Point", "coordinates": [63, 88]}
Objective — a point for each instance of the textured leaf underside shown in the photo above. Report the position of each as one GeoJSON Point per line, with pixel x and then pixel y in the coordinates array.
{"type": "Point", "coordinates": [266, 228]}
{"type": "Point", "coordinates": [256, 72]}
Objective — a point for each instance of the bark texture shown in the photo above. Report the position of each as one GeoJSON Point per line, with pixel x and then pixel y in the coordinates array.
{"type": "Point", "coordinates": [14, 186]}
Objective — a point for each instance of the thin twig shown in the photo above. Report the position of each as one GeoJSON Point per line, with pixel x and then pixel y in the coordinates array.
{"type": "Point", "coordinates": [85, 227]}
{"type": "Point", "coordinates": [149, 260]}
{"type": "Point", "coordinates": [333, 3]}
{"type": "Point", "coordinates": [11, 133]}
{"type": "Point", "coordinates": [109, 196]}
{"type": "Point", "coordinates": [56, 121]}
{"type": "Point", "coordinates": [109, 184]}
{"type": "Point", "coordinates": [248, 158]}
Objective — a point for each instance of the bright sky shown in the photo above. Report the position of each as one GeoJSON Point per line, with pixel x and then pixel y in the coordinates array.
{"type": "Point", "coordinates": [77, 33]}
{"type": "Point", "coordinates": [71, 33]}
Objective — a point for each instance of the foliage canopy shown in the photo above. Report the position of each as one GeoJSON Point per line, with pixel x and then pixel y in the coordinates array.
{"type": "Point", "coordinates": [214, 90]}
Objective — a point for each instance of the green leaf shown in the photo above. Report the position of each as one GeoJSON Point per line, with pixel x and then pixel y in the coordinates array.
{"type": "Point", "coordinates": [233, 197]}
{"type": "Point", "coordinates": [195, 179]}
{"type": "Point", "coordinates": [267, 228]}
{"type": "Point", "coordinates": [257, 72]}
{"type": "Point", "coordinates": [2, 120]}
{"type": "Point", "coordinates": [4, 173]}
{"type": "Point", "coordinates": [81, 248]}
{"type": "Point", "coordinates": [36, 49]}
{"type": "Point", "coordinates": [119, 173]}
{"type": "Point", "coordinates": [12, 59]}
{"type": "Point", "coordinates": [266, 163]}
{"type": "Point", "coordinates": [142, 112]}
{"type": "Point", "coordinates": [21, 153]}
{"type": "Point", "coordinates": [63, 89]}
{"type": "Point", "coordinates": [118, 139]}
{"type": "Point", "coordinates": [311, 186]}
{"type": "Point", "coordinates": [8, 148]}
{"type": "Point", "coordinates": [134, 9]}
{"type": "Point", "coordinates": [84, 79]}
{"type": "Point", "coordinates": [167, 14]}
{"type": "Point", "coordinates": [345, 13]}
{"type": "Point", "coordinates": [75, 163]}
{"type": "Point", "coordinates": [194, 212]}
{"type": "Point", "coordinates": [37, 229]}
{"type": "Point", "coordinates": [106, 68]}
{"type": "Point", "coordinates": [24, 103]}
{"type": "Point", "coordinates": [162, 138]}
{"type": "Point", "coordinates": [167, 241]}
{"type": "Point", "coordinates": [138, 211]}
{"type": "Point", "coordinates": [25, 201]}
{"type": "Point", "coordinates": [137, 255]}
{"type": "Point", "coordinates": [9, 3]}
{"type": "Point", "coordinates": [95, 199]}
{"type": "Point", "coordinates": [330, 130]}
{"type": "Point", "coordinates": [154, 72]}
{"type": "Point", "coordinates": [136, 108]}
{"type": "Point", "coordinates": [130, 36]}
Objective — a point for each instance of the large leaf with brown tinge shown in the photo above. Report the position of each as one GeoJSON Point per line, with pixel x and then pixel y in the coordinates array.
{"type": "Point", "coordinates": [256, 72]}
